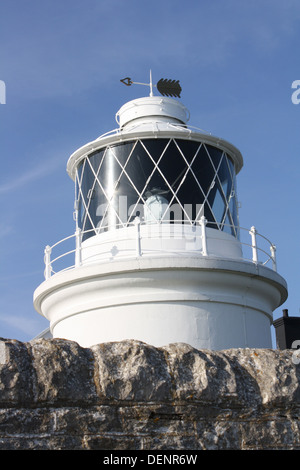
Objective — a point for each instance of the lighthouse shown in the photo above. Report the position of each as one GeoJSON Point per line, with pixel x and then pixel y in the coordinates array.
{"type": "Point", "coordinates": [157, 254]}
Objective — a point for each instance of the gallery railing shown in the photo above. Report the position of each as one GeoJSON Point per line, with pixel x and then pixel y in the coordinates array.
{"type": "Point", "coordinates": [257, 249]}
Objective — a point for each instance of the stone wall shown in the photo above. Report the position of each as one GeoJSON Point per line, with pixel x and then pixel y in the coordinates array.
{"type": "Point", "coordinates": [131, 396]}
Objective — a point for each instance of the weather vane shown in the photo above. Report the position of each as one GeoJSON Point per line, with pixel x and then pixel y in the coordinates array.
{"type": "Point", "coordinates": [165, 86]}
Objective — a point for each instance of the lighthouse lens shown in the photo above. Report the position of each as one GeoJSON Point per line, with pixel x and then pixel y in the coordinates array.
{"type": "Point", "coordinates": [159, 180]}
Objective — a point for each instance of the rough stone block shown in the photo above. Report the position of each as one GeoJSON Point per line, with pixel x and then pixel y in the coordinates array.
{"type": "Point", "coordinates": [63, 373]}
{"type": "Point", "coordinates": [16, 373]}
{"type": "Point", "coordinates": [132, 370]}
{"type": "Point", "coordinates": [128, 395]}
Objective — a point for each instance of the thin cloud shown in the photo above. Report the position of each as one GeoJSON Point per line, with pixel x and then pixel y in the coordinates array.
{"type": "Point", "coordinates": [5, 230]}
{"type": "Point", "coordinates": [25, 324]}
{"type": "Point", "coordinates": [29, 176]}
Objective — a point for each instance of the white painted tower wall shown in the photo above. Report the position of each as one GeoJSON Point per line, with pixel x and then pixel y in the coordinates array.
{"type": "Point", "coordinates": [161, 282]}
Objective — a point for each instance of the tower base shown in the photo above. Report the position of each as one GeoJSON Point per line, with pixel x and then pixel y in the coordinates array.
{"type": "Point", "coordinates": [209, 303]}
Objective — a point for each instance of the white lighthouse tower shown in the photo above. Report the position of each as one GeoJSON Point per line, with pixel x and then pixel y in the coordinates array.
{"type": "Point", "coordinates": [158, 254]}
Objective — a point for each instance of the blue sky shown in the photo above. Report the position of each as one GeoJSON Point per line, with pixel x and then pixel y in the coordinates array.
{"type": "Point", "coordinates": [62, 62]}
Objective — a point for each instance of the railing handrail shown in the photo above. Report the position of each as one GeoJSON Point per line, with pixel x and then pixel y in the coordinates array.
{"type": "Point", "coordinates": [182, 127]}
{"type": "Point", "coordinates": [137, 223]}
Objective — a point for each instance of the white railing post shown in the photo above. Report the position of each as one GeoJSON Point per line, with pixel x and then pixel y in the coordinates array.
{"type": "Point", "coordinates": [253, 233]}
{"type": "Point", "coordinates": [47, 261]}
{"type": "Point", "coordinates": [273, 255]}
{"type": "Point", "coordinates": [203, 222]}
{"type": "Point", "coordinates": [137, 223]}
{"type": "Point", "coordinates": [78, 247]}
